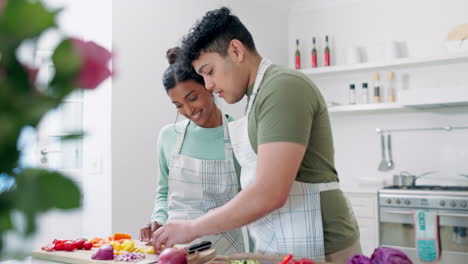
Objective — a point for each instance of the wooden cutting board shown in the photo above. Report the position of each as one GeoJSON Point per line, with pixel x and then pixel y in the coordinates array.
{"type": "Point", "coordinates": [84, 256]}
{"type": "Point", "coordinates": [263, 259]}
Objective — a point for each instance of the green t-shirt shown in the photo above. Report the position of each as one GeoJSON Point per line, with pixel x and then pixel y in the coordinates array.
{"type": "Point", "coordinates": [290, 108]}
{"type": "Point", "coordinates": [199, 142]}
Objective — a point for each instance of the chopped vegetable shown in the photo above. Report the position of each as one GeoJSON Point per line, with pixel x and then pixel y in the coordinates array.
{"type": "Point", "coordinates": [130, 257]}
{"type": "Point", "coordinates": [149, 250]}
{"type": "Point", "coordinates": [128, 245]}
{"type": "Point", "coordinates": [304, 261]}
{"type": "Point", "coordinates": [105, 252]}
{"type": "Point", "coordinates": [87, 245]}
{"type": "Point", "coordinates": [48, 247]}
{"type": "Point", "coordinates": [98, 241]}
{"type": "Point", "coordinates": [79, 243]}
{"type": "Point", "coordinates": [286, 259]}
{"type": "Point", "coordinates": [138, 249]}
{"type": "Point", "coordinates": [69, 246]}
{"type": "Point", "coordinates": [120, 236]}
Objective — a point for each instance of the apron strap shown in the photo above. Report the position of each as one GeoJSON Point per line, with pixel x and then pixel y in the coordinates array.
{"type": "Point", "coordinates": [180, 138]}
{"type": "Point", "coordinates": [228, 155]}
{"type": "Point", "coordinates": [227, 140]}
{"type": "Point", "coordinates": [262, 68]}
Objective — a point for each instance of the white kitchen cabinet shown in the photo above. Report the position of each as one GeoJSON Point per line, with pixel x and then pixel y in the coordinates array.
{"type": "Point", "coordinates": [365, 208]}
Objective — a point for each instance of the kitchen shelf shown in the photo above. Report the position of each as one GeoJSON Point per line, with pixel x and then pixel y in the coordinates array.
{"type": "Point", "coordinates": [364, 107]}
{"type": "Point", "coordinates": [391, 107]}
{"type": "Point", "coordinates": [396, 64]}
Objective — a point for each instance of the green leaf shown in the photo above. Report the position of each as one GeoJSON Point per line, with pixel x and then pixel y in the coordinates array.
{"type": "Point", "coordinates": [24, 19]}
{"type": "Point", "coordinates": [33, 107]}
{"type": "Point", "coordinates": [67, 64]}
{"type": "Point", "coordinates": [40, 190]}
{"type": "Point", "coordinates": [17, 77]}
{"type": "Point", "coordinates": [9, 131]}
{"type": "Point", "coordinates": [73, 136]}
{"type": "Point", "coordinates": [5, 219]}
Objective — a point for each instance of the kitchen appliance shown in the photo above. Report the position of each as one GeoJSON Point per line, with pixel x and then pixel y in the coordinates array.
{"type": "Point", "coordinates": [397, 205]}
{"type": "Point", "coordinates": [406, 179]}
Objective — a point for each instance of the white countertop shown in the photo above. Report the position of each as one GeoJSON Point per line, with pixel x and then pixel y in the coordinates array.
{"type": "Point", "coordinates": [28, 260]}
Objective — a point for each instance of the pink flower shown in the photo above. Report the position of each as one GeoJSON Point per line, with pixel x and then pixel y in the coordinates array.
{"type": "Point", "coordinates": [95, 61]}
{"type": "Point", "coordinates": [2, 5]}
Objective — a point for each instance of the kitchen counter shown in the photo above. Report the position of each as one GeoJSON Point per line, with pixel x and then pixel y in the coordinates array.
{"type": "Point", "coordinates": [28, 260]}
{"type": "Point", "coordinates": [219, 260]}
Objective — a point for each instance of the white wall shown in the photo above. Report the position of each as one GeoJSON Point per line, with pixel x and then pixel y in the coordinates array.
{"type": "Point", "coordinates": [142, 32]}
{"type": "Point", "coordinates": [423, 25]}
{"type": "Point", "coordinates": [94, 218]}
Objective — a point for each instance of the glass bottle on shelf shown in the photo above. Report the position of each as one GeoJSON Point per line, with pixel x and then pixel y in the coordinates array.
{"type": "Point", "coordinates": [314, 54]}
{"type": "Point", "coordinates": [326, 54]}
{"type": "Point", "coordinates": [298, 55]}
{"type": "Point", "coordinates": [377, 88]}
{"type": "Point", "coordinates": [364, 94]}
{"type": "Point", "coordinates": [352, 94]}
{"type": "Point", "coordinates": [391, 87]}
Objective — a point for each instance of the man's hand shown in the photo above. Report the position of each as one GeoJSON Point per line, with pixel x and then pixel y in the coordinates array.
{"type": "Point", "coordinates": [147, 231]}
{"type": "Point", "coordinates": [174, 232]}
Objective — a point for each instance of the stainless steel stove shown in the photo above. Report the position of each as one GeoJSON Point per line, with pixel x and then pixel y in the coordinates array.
{"type": "Point", "coordinates": [396, 222]}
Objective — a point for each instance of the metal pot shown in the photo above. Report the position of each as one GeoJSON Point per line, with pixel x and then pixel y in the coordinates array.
{"type": "Point", "coordinates": [406, 179]}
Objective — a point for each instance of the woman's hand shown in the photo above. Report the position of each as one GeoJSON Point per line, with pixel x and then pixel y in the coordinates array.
{"type": "Point", "coordinates": [146, 232]}
{"type": "Point", "coordinates": [174, 232]}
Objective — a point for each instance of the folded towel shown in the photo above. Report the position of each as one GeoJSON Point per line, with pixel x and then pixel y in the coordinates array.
{"type": "Point", "coordinates": [427, 235]}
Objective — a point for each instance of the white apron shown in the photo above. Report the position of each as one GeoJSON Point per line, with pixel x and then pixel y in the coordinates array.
{"type": "Point", "coordinates": [296, 227]}
{"type": "Point", "coordinates": [197, 186]}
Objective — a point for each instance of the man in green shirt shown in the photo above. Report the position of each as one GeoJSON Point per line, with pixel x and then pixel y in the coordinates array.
{"type": "Point", "coordinates": [290, 196]}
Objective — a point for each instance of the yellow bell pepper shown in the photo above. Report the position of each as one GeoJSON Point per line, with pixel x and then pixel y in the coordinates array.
{"type": "Point", "coordinates": [128, 245]}
{"type": "Point", "coordinates": [138, 249]}
{"type": "Point", "coordinates": [117, 246]}
{"type": "Point", "coordinates": [149, 250]}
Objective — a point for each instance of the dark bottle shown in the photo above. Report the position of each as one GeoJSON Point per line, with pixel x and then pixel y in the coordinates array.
{"type": "Point", "coordinates": [314, 54]}
{"type": "Point", "coordinates": [352, 94]}
{"type": "Point", "coordinates": [326, 54]}
{"type": "Point", "coordinates": [298, 55]}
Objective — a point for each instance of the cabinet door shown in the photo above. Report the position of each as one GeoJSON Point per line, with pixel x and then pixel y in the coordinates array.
{"type": "Point", "coordinates": [365, 209]}
{"type": "Point", "coordinates": [364, 205]}
{"type": "Point", "coordinates": [368, 231]}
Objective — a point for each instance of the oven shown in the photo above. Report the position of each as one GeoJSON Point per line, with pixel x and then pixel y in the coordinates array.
{"type": "Point", "coordinates": [396, 224]}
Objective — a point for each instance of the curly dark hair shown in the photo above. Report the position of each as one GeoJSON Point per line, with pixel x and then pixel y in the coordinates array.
{"type": "Point", "coordinates": [213, 33]}
{"type": "Point", "coordinates": [178, 71]}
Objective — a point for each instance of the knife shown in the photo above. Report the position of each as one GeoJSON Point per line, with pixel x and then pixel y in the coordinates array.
{"type": "Point", "coordinates": [192, 249]}
{"type": "Point", "coordinates": [199, 247]}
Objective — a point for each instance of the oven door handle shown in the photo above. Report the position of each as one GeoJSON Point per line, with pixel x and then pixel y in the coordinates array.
{"type": "Point", "coordinates": [399, 212]}
{"type": "Point", "coordinates": [447, 214]}
{"type": "Point", "coordinates": [409, 213]}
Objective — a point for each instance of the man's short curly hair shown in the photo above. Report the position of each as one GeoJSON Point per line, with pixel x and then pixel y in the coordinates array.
{"type": "Point", "coordinates": [213, 33]}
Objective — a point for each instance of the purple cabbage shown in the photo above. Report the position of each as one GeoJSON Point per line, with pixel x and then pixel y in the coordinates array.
{"type": "Point", "coordinates": [359, 259]}
{"type": "Point", "coordinates": [382, 255]}
{"type": "Point", "coordinates": [386, 255]}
